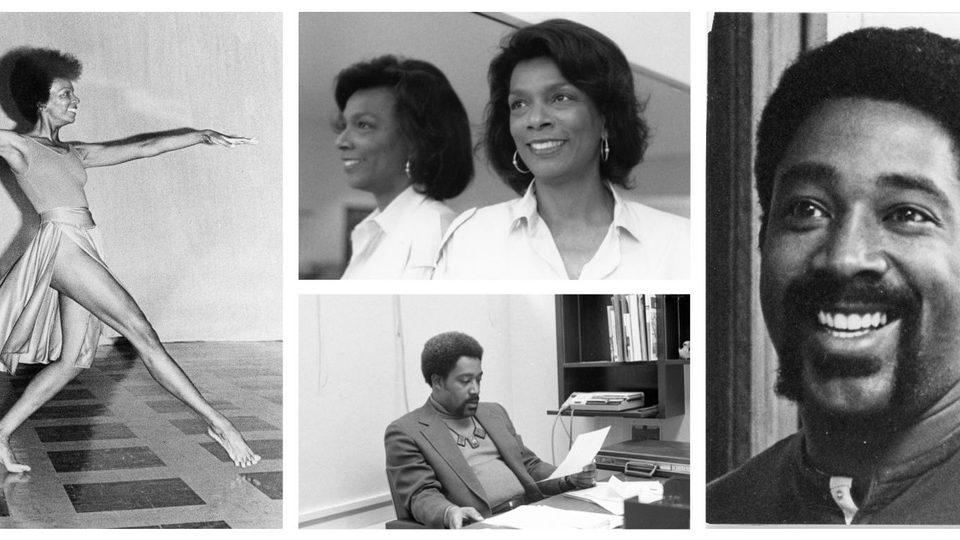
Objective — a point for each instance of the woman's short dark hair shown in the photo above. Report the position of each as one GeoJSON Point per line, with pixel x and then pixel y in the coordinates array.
{"type": "Point", "coordinates": [910, 66]}
{"type": "Point", "coordinates": [590, 61]}
{"type": "Point", "coordinates": [431, 117]}
{"type": "Point", "coordinates": [32, 75]}
{"type": "Point", "coordinates": [442, 351]}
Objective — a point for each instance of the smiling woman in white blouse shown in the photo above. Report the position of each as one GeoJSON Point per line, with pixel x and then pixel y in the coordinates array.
{"type": "Point", "coordinates": [563, 129]}
{"type": "Point", "coordinates": [403, 137]}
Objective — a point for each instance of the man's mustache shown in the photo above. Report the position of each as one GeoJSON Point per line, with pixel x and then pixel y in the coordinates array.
{"type": "Point", "coordinates": [817, 290]}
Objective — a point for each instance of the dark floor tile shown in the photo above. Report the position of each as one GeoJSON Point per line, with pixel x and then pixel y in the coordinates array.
{"type": "Point", "coordinates": [265, 448]}
{"type": "Point", "coordinates": [147, 390]}
{"type": "Point", "coordinates": [198, 525]}
{"type": "Point", "coordinates": [104, 459]}
{"type": "Point", "coordinates": [196, 426]}
{"type": "Point", "coordinates": [269, 483]}
{"type": "Point", "coordinates": [84, 432]}
{"type": "Point", "coordinates": [114, 496]}
{"type": "Point", "coordinates": [194, 525]}
{"type": "Point", "coordinates": [262, 385]}
{"type": "Point", "coordinates": [71, 411]}
{"type": "Point", "coordinates": [24, 376]}
{"type": "Point", "coordinates": [73, 393]}
{"type": "Point", "coordinates": [115, 364]}
{"type": "Point", "coordinates": [175, 406]}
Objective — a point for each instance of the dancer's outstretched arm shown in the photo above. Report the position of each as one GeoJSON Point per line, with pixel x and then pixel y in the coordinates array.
{"type": "Point", "coordinates": [151, 144]}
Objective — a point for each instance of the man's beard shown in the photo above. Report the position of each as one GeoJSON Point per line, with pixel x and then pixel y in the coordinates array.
{"type": "Point", "coordinates": [462, 409]}
{"type": "Point", "coordinates": [801, 302]}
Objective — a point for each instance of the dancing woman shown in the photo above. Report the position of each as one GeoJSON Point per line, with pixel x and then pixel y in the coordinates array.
{"type": "Point", "coordinates": [54, 298]}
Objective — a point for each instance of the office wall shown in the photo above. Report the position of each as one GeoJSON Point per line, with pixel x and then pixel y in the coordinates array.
{"type": "Point", "coordinates": [461, 45]}
{"type": "Point", "coordinates": [356, 377]}
{"type": "Point", "coordinates": [194, 235]}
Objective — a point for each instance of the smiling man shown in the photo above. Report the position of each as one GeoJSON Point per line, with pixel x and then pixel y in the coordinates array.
{"type": "Point", "coordinates": [456, 460]}
{"type": "Point", "coordinates": [857, 173]}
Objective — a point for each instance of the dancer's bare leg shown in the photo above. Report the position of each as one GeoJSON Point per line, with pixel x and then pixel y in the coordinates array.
{"type": "Point", "coordinates": [79, 277]}
{"type": "Point", "coordinates": [50, 380]}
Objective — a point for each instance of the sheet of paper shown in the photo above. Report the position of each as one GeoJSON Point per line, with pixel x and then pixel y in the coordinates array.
{"type": "Point", "coordinates": [584, 449]}
{"type": "Point", "coordinates": [611, 494]}
{"type": "Point", "coordinates": [533, 516]}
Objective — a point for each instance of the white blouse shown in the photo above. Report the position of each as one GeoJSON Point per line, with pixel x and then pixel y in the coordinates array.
{"type": "Point", "coordinates": [511, 241]}
{"type": "Point", "coordinates": [400, 242]}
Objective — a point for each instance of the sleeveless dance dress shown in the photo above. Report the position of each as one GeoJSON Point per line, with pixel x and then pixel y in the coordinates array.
{"type": "Point", "coordinates": [29, 308]}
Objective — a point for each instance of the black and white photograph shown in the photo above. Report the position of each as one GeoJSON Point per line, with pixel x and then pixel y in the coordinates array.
{"type": "Point", "coordinates": [140, 242]}
{"type": "Point", "coordinates": [832, 290]}
{"type": "Point", "coordinates": [495, 411]}
{"type": "Point", "coordinates": [538, 146]}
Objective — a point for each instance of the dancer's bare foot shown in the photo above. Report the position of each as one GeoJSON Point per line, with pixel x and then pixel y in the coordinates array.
{"type": "Point", "coordinates": [8, 460]}
{"type": "Point", "coordinates": [231, 441]}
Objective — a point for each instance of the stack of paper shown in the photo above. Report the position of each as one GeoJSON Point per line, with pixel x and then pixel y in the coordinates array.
{"type": "Point", "coordinates": [611, 494]}
{"type": "Point", "coordinates": [545, 517]}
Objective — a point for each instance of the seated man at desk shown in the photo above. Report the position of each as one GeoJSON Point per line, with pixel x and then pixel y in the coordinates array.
{"type": "Point", "coordinates": [456, 460]}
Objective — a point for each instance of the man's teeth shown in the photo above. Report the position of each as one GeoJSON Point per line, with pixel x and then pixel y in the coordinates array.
{"type": "Point", "coordinates": [545, 145]}
{"type": "Point", "coordinates": [852, 322]}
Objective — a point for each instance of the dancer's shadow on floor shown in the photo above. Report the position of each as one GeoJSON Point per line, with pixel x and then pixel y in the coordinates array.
{"type": "Point", "coordinates": [119, 361]}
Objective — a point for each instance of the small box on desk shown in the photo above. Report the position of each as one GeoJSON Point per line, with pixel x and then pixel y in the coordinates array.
{"type": "Point", "coordinates": [671, 512]}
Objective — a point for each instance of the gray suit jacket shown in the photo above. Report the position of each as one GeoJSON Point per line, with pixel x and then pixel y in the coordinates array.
{"type": "Point", "coordinates": [427, 471]}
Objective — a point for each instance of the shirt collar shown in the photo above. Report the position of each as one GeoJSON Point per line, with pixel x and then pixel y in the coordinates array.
{"type": "Point", "coordinates": [398, 209]}
{"type": "Point", "coordinates": [525, 211]}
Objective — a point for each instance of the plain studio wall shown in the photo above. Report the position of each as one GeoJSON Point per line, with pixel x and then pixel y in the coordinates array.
{"type": "Point", "coordinates": [360, 370]}
{"type": "Point", "coordinates": [194, 235]}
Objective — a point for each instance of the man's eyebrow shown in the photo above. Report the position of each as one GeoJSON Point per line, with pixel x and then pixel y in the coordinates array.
{"type": "Point", "coordinates": [912, 182]}
{"type": "Point", "coordinates": [806, 171]}
{"type": "Point", "coordinates": [809, 171]}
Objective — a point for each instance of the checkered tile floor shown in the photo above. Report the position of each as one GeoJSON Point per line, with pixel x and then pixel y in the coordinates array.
{"type": "Point", "coordinates": [115, 450]}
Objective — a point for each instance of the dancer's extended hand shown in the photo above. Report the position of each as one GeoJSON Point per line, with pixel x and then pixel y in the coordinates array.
{"type": "Point", "coordinates": [213, 137]}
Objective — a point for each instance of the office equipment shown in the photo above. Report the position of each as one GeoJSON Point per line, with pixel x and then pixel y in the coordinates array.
{"type": "Point", "coordinates": [606, 401]}
{"type": "Point", "coordinates": [671, 512]}
{"type": "Point", "coordinates": [647, 458]}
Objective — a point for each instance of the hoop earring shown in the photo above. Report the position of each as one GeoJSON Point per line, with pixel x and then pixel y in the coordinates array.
{"type": "Point", "coordinates": [516, 162]}
{"type": "Point", "coordinates": [604, 149]}
{"type": "Point", "coordinates": [406, 169]}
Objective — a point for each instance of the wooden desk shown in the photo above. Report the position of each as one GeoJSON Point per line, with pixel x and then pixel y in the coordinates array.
{"type": "Point", "coordinates": [563, 502]}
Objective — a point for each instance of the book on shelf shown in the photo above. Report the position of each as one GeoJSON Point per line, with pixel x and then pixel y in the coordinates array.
{"type": "Point", "coordinates": [612, 334]}
{"type": "Point", "coordinates": [651, 309]}
{"type": "Point", "coordinates": [638, 326]}
{"type": "Point", "coordinates": [633, 327]}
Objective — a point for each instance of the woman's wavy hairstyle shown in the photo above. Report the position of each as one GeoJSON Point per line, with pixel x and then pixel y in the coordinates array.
{"type": "Point", "coordinates": [32, 75]}
{"type": "Point", "coordinates": [590, 61]}
{"type": "Point", "coordinates": [431, 117]}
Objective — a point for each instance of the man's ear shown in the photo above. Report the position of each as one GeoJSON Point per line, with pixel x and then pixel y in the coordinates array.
{"type": "Point", "coordinates": [435, 380]}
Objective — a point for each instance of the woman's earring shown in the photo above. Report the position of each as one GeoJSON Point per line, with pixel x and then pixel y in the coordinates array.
{"type": "Point", "coordinates": [406, 169]}
{"type": "Point", "coordinates": [604, 149]}
{"type": "Point", "coordinates": [516, 162]}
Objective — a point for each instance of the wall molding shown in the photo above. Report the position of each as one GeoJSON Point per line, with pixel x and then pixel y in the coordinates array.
{"type": "Point", "coordinates": [338, 511]}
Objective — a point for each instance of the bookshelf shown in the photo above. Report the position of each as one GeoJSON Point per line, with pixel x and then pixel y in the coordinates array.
{"type": "Point", "coordinates": [588, 363]}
